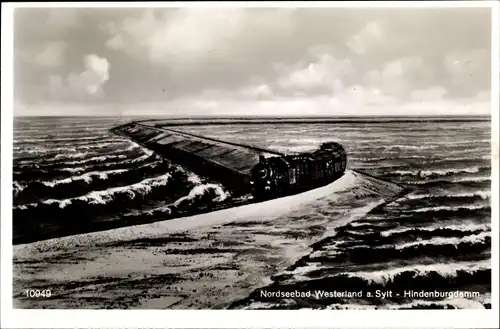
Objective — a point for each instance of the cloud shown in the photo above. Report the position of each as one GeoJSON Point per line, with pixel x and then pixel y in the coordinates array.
{"type": "Point", "coordinates": [361, 101]}
{"type": "Point", "coordinates": [464, 67]}
{"type": "Point", "coordinates": [371, 35]}
{"type": "Point", "coordinates": [325, 71]}
{"type": "Point", "coordinates": [347, 60]}
{"type": "Point", "coordinates": [261, 91]}
{"type": "Point", "coordinates": [484, 95]}
{"type": "Point", "coordinates": [63, 17]}
{"type": "Point", "coordinates": [189, 36]}
{"type": "Point", "coordinates": [52, 54]}
{"type": "Point", "coordinates": [89, 82]}
{"type": "Point", "coordinates": [399, 77]}
{"type": "Point", "coordinates": [252, 92]}
{"type": "Point", "coordinates": [431, 94]}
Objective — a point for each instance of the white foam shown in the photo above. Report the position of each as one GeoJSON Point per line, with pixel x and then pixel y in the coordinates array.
{"type": "Point", "coordinates": [458, 303]}
{"type": "Point", "coordinates": [444, 269]}
{"type": "Point", "coordinates": [472, 179]}
{"type": "Point", "coordinates": [476, 238]}
{"type": "Point", "coordinates": [55, 139]}
{"type": "Point", "coordinates": [104, 196]}
{"type": "Point", "coordinates": [440, 172]}
{"type": "Point", "coordinates": [448, 208]}
{"type": "Point", "coordinates": [200, 190]}
{"type": "Point", "coordinates": [481, 193]}
{"type": "Point", "coordinates": [458, 227]}
{"type": "Point", "coordinates": [87, 177]}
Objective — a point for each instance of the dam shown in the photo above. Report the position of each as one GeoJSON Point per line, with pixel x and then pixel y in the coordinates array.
{"type": "Point", "coordinates": [223, 161]}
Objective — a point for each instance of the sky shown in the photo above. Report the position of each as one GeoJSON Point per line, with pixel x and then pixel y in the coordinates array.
{"type": "Point", "coordinates": [252, 61]}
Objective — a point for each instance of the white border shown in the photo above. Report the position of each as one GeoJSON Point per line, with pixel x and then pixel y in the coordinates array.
{"type": "Point", "coordinates": [495, 162]}
{"type": "Point", "coordinates": [263, 4]}
{"type": "Point", "coordinates": [235, 319]}
{"type": "Point", "coordinates": [6, 157]}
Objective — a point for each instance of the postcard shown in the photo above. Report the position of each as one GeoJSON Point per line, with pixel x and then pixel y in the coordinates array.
{"type": "Point", "coordinates": [287, 165]}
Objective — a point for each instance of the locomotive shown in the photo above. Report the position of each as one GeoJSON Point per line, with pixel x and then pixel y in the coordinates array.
{"type": "Point", "coordinates": [283, 175]}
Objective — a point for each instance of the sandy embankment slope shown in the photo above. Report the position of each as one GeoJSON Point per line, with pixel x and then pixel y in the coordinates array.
{"type": "Point", "coordinates": [203, 261]}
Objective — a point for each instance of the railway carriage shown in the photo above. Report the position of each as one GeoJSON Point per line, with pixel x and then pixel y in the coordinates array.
{"type": "Point", "coordinates": [277, 176]}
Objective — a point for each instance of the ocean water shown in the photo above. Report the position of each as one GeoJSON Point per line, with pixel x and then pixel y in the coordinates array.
{"type": "Point", "coordinates": [74, 168]}
{"type": "Point", "coordinates": [71, 175]}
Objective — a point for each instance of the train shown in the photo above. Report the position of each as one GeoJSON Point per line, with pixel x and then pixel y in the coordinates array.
{"type": "Point", "coordinates": [283, 175]}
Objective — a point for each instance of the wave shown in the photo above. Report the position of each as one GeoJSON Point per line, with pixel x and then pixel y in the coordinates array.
{"type": "Point", "coordinates": [442, 270]}
{"type": "Point", "coordinates": [373, 251]}
{"type": "Point", "coordinates": [29, 149]}
{"type": "Point", "coordinates": [148, 155]}
{"type": "Point", "coordinates": [170, 194]}
{"type": "Point", "coordinates": [479, 238]}
{"type": "Point", "coordinates": [449, 303]}
{"type": "Point", "coordinates": [369, 158]}
{"type": "Point", "coordinates": [17, 188]}
{"type": "Point", "coordinates": [480, 215]}
{"type": "Point", "coordinates": [62, 170]}
{"type": "Point", "coordinates": [59, 127]}
{"type": "Point", "coordinates": [57, 136]}
{"type": "Point", "coordinates": [439, 277]}
{"type": "Point", "coordinates": [462, 182]}
{"type": "Point", "coordinates": [371, 245]}
{"type": "Point", "coordinates": [449, 209]}
{"type": "Point", "coordinates": [472, 179]}
{"type": "Point", "coordinates": [61, 157]}
{"type": "Point", "coordinates": [476, 150]}
{"type": "Point", "coordinates": [448, 230]}
{"type": "Point", "coordinates": [466, 142]}
{"type": "Point", "coordinates": [411, 147]}
{"type": "Point", "coordinates": [58, 132]}
{"type": "Point", "coordinates": [449, 199]}
{"type": "Point", "coordinates": [84, 183]}
{"type": "Point", "coordinates": [20, 151]}
{"type": "Point", "coordinates": [409, 152]}
{"type": "Point", "coordinates": [438, 173]}
{"type": "Point", "coordinates": [82, 155]}
{"type": "Point", "coordinates": [375, 235]}
{"type": "Point", "coordinates": [456, 303]}
{"type": "Point", "coordinates": [425, 159]}
{"type": "Point", "coordinates": [103, 158]}
{"type": "Point", "coordinates": [75, 143]}
{"type": "Point", "coordinates": [202, 195]}
{"type": "Point", "coordinates": [419, 216]}
{"type": "Point", "coordinates": [55, 164]}
{"type": "Point", "coordinates": [87, 177]}
{"type": "Point", "coordinates": [450, 161]}
{"type": "Point", "coordinates": [200, 191]}
{"type": "Point", "coordinates": [427, 145]}
{"type": "Point", "coordinates": [444, 195]}
{"type": "Point", "coordinates": [56, 139]}
{"type": "Point", "coordinates": [142, 188]}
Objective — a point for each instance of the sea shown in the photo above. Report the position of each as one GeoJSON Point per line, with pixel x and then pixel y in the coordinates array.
{"type": "Point", "coordinates": [71, 175]}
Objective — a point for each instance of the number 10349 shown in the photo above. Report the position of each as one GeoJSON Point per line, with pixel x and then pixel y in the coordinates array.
{"type": "Point", "coordinates": [37, 293]}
